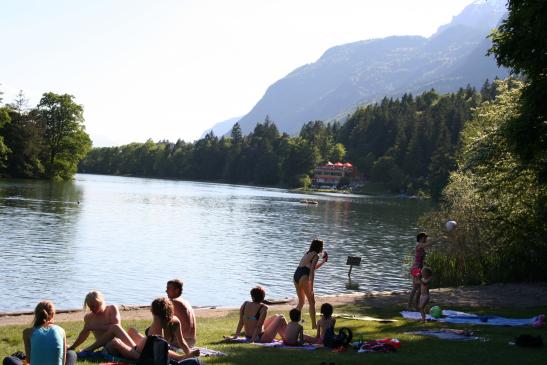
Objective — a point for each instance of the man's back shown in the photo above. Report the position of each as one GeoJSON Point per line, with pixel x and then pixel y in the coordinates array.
{"type": "Point", "coordinates": [185, 313]}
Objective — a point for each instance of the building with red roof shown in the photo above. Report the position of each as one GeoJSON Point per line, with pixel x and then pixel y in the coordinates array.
{"type": "Point", "coordinates": [331, 174]}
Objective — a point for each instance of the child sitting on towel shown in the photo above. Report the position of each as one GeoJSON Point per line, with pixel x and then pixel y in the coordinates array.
{"type": "Point", "coordinates": [324, 325]}
{"type": "Point", "coordinates": [424, 290]}
{"type": "Point", "coordinates": [294, 334]}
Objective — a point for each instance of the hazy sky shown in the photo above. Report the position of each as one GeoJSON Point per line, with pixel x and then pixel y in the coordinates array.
{"type": "Point", "coordinates": [168, 69]}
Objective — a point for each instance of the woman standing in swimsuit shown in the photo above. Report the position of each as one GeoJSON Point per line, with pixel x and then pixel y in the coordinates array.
{"type": "Point", "coordinates": [252, 318]}
{"type": "Point", "coordinates": [305, 274]}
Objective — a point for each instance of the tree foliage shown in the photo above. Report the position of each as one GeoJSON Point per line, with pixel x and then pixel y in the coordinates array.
{"type": "Point", "coordinates": [48, 141]}
{"type": "Point", "coordinates": [408, 143]}
{"type": "Point", "coordinates": [520, 44]}
{"type": "Point", "coordinates": [498, 202]}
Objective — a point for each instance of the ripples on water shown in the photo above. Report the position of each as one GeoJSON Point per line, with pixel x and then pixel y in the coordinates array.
{"type": "Point", "coordinates": [128, 236]}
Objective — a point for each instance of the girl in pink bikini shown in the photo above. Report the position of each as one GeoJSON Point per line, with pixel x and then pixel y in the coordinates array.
{"type": "Point", "coordinates": [415, 271]}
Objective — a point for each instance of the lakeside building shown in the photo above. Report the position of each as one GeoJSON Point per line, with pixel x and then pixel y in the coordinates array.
{"type": "Point", "coordinates": [333, 175]}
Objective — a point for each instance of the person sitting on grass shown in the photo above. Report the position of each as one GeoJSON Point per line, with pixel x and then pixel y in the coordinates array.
{"type": "Point", "coordinates": [424, 290]}
{"type": "Point", "coordinates": [164, 324]}
{"type": "Point", "coordinates": [98, 321]}
{"type": "Point", "coordinates": [252, 318]}
{"type": "Point", "coordinates": [183, 311]}
{"type": "Point", "coordinates": [326, 323]}
{"type": "Point", "coordinates": [45, 342]}
{"type": "Point", "coordinates": [294, 334]}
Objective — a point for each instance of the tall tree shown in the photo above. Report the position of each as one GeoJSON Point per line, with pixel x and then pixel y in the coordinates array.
{"type": "Point", "coordinates": [65, 137]}
{"type": "Point", "coordinates": [520, 43]}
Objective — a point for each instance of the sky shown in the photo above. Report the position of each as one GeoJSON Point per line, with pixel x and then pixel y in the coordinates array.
{"type": "Point", "coordinates": [170, 69]}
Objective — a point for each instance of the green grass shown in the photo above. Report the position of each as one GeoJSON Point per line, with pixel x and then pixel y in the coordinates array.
{"type": "Point", "coordinates": [414, 349]}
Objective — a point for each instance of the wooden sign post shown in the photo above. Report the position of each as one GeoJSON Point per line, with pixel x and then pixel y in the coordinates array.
{"type": "Point", "coordinates": [353, 261]}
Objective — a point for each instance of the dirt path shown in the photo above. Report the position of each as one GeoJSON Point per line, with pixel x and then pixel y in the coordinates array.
{"type": "Point", "coordinates": [491, 296]}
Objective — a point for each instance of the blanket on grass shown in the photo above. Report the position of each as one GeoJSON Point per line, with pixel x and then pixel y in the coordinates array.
{"type": "Point", "coordinates": [363, 318]}
{"type": "Point", "coordinates": [274, 343]}
{"type": "Point", "coordinates": [448, 334]}
{"type": "Point", "coordinates": [450, 316]}
{"type": "Point", "coordinates": [382, 345]}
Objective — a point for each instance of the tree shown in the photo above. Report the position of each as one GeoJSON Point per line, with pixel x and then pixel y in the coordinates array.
{"type": "Point", "coordinates": [520, 44]}
{"type": "Point", "coordinates": [4, 150]}
{"type": "Point", "coordinates": [64, 133]}
{"type": "Point", "coordinates": [497, 201]}
{"type": "Point", "coordinates": [337, 153]}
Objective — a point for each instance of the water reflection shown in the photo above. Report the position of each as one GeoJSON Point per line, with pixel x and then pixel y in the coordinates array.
{"type": "Point", "coordinates": [128, 236]}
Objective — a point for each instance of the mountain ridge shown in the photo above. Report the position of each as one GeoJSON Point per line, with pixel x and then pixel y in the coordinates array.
{"type": "Point", "coordinates": [354, 74]}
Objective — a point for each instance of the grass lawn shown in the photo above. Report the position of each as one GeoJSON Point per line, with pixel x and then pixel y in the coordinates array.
{"type": "Point", "coordinates": [414, 349]}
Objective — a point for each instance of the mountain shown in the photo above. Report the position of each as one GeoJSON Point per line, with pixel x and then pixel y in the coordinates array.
{"type": "Point", "coordinates": [222, 128]}
{"type": "Point", "coordinates": [358, 73]}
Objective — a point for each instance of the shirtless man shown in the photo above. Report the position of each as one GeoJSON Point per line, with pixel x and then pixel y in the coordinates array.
{"type": "Point", "coordinates": [99, 321]}
{"type": "Point", "coordinates": [183, 311]}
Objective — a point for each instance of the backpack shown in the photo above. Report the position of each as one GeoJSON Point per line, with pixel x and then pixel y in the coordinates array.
{"type": "Point", "coordinates": [529, 341]}
{"type": "Point", "coordinates": [155, 352]}
{"type": "Point", "coordinates": [343, 338]}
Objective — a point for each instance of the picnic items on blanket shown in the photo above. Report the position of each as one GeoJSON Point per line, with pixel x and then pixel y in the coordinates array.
{"type": "Point", "coordinates": [382, 345]}
{"type": "Point", "coordinates": [449, 334]}
{"type": "Point", "coordinates": [528, 341]}
{"type": "Point", "coordinates": [436, 311]}
{"type": "Point", "coordinates": [155, 351]}
{"type": "Point", "coordinates": [450, 316]}
{"type": "Point", "coordinates": [539, 322]}
{"type": "Point", "coordinates": [363, 318]}
{"type": "Point", "coordinates": [343, 338]}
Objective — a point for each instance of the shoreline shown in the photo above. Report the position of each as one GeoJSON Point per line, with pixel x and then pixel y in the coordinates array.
{"type": "Point", "coordinates": [494, 296]}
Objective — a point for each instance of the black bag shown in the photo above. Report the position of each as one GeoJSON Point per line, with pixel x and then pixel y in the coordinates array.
{"type": "Point", "coordinates": [155, 352]}
{"type": "Point", "coordinates": [529, 341]}
{"type": "Point", "coordinates": [343, 338]}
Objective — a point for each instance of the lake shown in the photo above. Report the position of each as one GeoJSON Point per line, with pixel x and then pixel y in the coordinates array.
{"type": "Point", "coordinates": [127, 236]}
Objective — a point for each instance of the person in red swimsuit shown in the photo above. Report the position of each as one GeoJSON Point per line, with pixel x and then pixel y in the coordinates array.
{"type": "Point", "coordinates": [415, 271]}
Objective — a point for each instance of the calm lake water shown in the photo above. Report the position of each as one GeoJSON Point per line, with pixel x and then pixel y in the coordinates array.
{"type": "Point", "coordinates": [127, 236]}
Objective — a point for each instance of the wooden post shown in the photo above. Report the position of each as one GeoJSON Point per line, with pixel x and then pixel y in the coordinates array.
{"type": "Point", "coordinates": [353, 261]}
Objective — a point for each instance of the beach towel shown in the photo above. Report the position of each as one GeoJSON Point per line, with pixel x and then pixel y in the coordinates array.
{"type": "Point", "coordinates": [363, 318]}
{"type": "Point", "coordinates": [454, 335]}
{"type": "Point", "coordinates": [456, 317]}
{"type": "Point", "coordinates": [281, 345]}
{"type": "Point", "coordinates": [383, 345]}
{"type": "Point", "coordinates": [205, 352]}
{"type": "Point", "coordinates": [240, 339]}
{"type": "Point", "coordinates": [274, 343]}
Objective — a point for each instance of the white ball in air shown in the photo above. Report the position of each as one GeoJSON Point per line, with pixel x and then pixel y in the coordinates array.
{"type": "Point", "coordinates": [450, 225]}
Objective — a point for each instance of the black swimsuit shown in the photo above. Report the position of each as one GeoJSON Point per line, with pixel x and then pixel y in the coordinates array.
{"type": "Point", "coordinates": [301, 271]}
